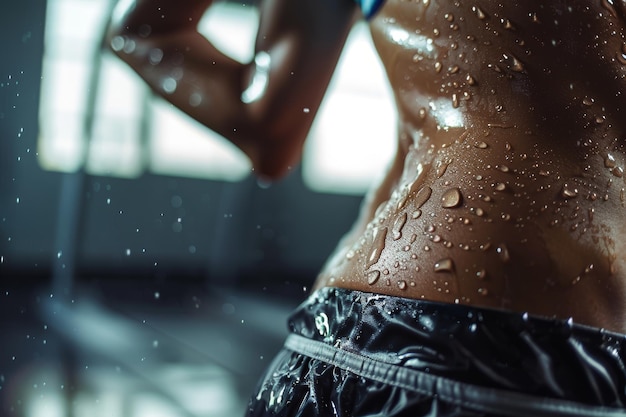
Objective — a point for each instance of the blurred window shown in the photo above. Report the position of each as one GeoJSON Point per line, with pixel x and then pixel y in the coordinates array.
{"type": "Point", "coordinates": [96, 113]}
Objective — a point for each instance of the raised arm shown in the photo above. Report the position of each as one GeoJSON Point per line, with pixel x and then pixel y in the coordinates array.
{"type": "Point", "coordinates": [265, 107]}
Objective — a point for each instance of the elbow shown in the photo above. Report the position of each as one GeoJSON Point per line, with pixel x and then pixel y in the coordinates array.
{"type": "Point", "coordinates": [274, 158]}
{"type": "Point", "coordinates": [273, 163]}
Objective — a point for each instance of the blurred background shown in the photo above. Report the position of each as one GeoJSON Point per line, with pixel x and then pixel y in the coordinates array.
{"type": "Point", "coordinates": [143, 270]}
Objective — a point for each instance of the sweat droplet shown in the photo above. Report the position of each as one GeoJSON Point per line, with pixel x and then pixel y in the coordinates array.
{"type": "Point", "coordinates": [378, 244]}
{"type": "Point", "coordinates": [444, 265]}
{"type": "Point", "coordinates": [372, 277]}
{"type": "Point", "coordinates": [621, 55]}
{"type": "Point", "coordinates": [398, 225]}
{"type": "Point", "coordinates": [442, 167]}
{"type": "Point", "coordinates": [169, 85]}
{"type": "Point", "coordinates": [569, 191]}
{"type": "Point", "coordinates": [451, 198]}
{"type": "Point", "coordinates": [503, 253]}
{"type": "Point", "coordinates": [479, 13]}
{"type": "Point", "coordinates": [422, 196]}
{"type": "Point", "coordinates": [514, 63]}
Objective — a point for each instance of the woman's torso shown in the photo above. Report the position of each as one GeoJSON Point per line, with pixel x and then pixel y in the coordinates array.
{"type": "Point", "coordinates": [507, 190]}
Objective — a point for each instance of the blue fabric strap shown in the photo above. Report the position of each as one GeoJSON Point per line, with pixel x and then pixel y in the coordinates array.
{"type": "Point", "coordinates": [369, 7]}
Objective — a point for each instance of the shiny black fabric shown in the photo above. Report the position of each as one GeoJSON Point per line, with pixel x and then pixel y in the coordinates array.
{"type": "Point", "coordinates": [359, 354]}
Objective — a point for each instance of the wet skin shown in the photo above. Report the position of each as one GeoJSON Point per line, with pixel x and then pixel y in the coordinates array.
{"type": "Point", "coordinates": [507, 190]}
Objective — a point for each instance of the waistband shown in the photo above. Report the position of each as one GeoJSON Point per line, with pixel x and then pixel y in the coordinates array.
{"type": "Point", "coordinates": [465, 353]}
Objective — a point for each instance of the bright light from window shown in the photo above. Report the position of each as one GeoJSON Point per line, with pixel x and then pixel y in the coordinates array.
{"type": "Point", "coordinates": [350, 144]}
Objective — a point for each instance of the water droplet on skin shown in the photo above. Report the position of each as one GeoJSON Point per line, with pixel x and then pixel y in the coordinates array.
{"type": "Point", "coordinates": [398, 225]}
{"type": "Point", "coordinates": [500, 186]}
{"type": "Point", "coordinates": [416, 214]}
{"type": "Point", "coordinates": [438, 66]}
{"type": "Point", "coordinates": [402, 285]}
{"type": "Point", "coordinates": [479, 212]}
{"type": "Point", "coordinates": [503, 168]}
{"type": "Point", "coordinates": [422, 196]}
{"type": "Point", "coordinates": [372, 277]}
{"type": "Point", "coordinates": [155, 56]}
{"type": "Point", "coordinates": [470, 80]}
{"type": "Point", "coordinates": [618, 172]}
{"type": "Point", "coordinates": [129, 46]}
{"type": "Point", "coordinates": [610, 7]}
{"type": "Point", "coordinates": [503, 253]}
{"type": "Point", "coordinates": [514, 63]}
{"type": "Point", "coordinates": [444, 265]}
{"type": "Point", "coordinates": [568, 191]}
{"type": "Point", "coordinates": [483, 291]}
{"type": "Point", "coordinates": [479, 12]}
{"type": "Point", "coordinates": [621, 55]}
{"type": "Point", "coordinates": [169, 85]}
{"type": "Point", "coordinates": [455, 101]}
{"type": "Point", "coordinates": [378, 244]}
{"type": "Point", "coordinates": [481, 145]}
{"type": "Point", "coordinates": [609, 161]}
{"type": "Point", "coordinates": [195, 99]}
{"type": "Point", "coordinates": [442, 167]}
{"type": "Point", "coordinates": [117, 43]}
{"type": "Point", "coordinates": [481, 275]}
{"type": "Point", "coordinates": [451, 198]}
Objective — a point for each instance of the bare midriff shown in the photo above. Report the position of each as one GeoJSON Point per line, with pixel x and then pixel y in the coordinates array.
{"type": "Point", "coordinates": [507, 190]}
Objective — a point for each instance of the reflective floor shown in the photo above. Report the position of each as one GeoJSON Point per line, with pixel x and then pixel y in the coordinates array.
{"type": "Point", "coordinates": [196, 353]}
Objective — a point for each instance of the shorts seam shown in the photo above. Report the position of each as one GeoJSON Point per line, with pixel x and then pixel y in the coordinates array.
{"type": "Point", "coordinates": [511, 403]}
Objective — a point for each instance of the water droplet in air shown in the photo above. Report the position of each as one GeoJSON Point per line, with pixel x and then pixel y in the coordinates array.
{"type": "Point", "coordinates": [451, 198]}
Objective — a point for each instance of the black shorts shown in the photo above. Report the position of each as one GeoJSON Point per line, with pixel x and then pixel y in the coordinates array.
{"type": "Point", "coordinates": [358, 354]}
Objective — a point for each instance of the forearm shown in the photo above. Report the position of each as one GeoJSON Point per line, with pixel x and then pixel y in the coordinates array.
{"type": "Point", "coordinates": [182, 66]}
